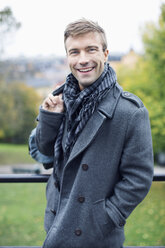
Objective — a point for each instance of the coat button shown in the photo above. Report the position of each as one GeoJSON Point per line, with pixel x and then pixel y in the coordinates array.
{"type": "Point", "coordinates": [81, 199]}
{"type": "Point", "coordinates": [53, 211]}
{"type": "Point", "coordinates": [85, 167]}
{"type": "Point", "coordinates": [121, 224]}
{"type": "Point", "coordinates": [78, 232]}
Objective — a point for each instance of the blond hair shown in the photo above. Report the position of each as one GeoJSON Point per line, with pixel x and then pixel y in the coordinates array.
{"type": "Point", "coordinates": [83, 26]}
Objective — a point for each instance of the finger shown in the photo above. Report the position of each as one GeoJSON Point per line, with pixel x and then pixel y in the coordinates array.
{"type": "Point", "coordinates": [52, 99]}
{"type": "Point", "coordinates": [58, 100]}
{"type": "Point", "coordinates": [60, 96]}
{"type": "Point", "coordinates": [48, 102]}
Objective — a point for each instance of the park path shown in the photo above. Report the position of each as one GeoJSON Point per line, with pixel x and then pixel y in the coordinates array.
{"type": "Point", "coordinates": [8, 169]}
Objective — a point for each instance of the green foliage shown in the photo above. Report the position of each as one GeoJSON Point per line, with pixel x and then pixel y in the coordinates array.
{"type": "Point", "coordinates": [146, 79]}
{"type": "Point", "coordinates": [19, 106]}
{"type": "Point", "coordinates": [22, 209]}
{"type": "Point", "coordinates": [154, 44]}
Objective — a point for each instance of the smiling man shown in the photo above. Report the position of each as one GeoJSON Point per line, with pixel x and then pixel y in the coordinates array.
{"type": "Point", "coordinates": [100, 138]}
{"type": "Point", "coordinates": [86, 57]}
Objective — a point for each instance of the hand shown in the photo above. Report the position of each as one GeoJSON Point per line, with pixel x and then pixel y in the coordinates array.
{"type": "Point", "coordinates": [53, 103]}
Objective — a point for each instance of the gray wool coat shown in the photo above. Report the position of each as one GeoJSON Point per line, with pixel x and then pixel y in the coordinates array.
{"type": "Point", "coordinates": [108, 173]}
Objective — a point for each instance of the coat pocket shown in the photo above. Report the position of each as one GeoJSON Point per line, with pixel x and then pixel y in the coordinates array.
{"type": "Point", "coordinates": [49, 218]}
{"type": "Point", "coordinates": [104, 222]}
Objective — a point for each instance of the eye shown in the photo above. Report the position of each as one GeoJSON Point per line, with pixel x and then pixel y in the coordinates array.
{"type": "Point", "coordinates": [92, 49]}
{"type": "Point", "coordinates": [73, 52]}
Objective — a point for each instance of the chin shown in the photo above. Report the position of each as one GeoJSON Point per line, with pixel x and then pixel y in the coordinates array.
{"type": "Point", "coordinates": [85, 85]}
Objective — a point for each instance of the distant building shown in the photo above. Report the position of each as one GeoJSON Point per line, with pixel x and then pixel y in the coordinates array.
{"type": "Point", "coordinates": [130, 59]}
{"type": "Point", "coordinates": [114, 59]}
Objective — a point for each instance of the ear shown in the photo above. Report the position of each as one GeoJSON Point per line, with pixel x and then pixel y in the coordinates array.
{"type": "Point", "coordinates": [106, 52]}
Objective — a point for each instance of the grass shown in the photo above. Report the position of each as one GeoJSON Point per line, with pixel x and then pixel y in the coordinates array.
{"type": "Point", "coordinates": [11, 154]}
{"type": "Point", "coordinates": [146, 225]}
{"type": "Point", "coordinates": [22, 211]}
{"type": "Point", "coordinates": [21, 214]}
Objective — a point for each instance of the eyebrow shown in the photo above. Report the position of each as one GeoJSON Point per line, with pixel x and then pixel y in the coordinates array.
{"type": "Point", "coordinates": [96, 47]}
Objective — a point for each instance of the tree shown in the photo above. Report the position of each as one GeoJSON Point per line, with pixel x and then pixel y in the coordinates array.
{"type": "Point", "coordinates": [19, 107]}
{"type": "Point", "coordinates": [8, 25]}
{"type": "Point", "coordinates": [154, 45]}
{"type": "Point", "coordinates": [146, 79]}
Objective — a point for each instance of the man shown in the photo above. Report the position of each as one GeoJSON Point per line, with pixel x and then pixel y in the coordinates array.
{"type": "Point", "coordinates": [100, 138]}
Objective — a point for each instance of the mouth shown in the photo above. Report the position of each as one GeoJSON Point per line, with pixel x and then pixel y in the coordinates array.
{"type": "Point", "coordinates": [86, 70]}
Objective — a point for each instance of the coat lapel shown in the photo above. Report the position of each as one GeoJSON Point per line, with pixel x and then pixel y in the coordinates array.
{"type": "Point", "coordinates": [104, 111]}
{"type": "Point", "coordinates": [87, 135]}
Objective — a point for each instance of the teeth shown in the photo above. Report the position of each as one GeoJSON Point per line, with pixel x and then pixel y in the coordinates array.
{"type": "Point", "coordinates": [85, 70]}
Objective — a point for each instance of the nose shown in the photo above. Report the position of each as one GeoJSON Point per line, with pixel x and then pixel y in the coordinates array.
{"type": "Point", "coordinates": [83, 58]}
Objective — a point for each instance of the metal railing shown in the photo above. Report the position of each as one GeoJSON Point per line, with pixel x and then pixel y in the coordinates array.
{"type": "Point", "coordinates": [91, 247]}
{"type": "Point", "coordinates": [43, 178]}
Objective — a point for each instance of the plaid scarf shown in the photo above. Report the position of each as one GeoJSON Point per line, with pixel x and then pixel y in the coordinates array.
{"type": "Point", "coordinates": [79, 106]}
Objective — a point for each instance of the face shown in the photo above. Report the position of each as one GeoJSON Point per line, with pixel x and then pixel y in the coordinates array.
{"type": "Point", "coordinates": [86, 57]}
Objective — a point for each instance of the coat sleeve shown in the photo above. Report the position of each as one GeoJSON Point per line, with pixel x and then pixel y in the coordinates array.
{"type": "Point", "coordinates": [47, 130]}
{"type": "Point", "coordinates": [136, 169]}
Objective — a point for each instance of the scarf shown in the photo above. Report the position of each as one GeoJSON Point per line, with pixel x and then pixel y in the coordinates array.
{"type": "Point", "coordinates": [79, 106]}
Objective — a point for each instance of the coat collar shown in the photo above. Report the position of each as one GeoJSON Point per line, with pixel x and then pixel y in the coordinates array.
{"type": "Point", "coordinates": [105, 110]}
{"type": "Point", "coordinates": [108, 105]}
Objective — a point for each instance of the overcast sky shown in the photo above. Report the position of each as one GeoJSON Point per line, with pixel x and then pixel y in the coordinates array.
{"type": "Point", "coordinates": [43, 23]}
